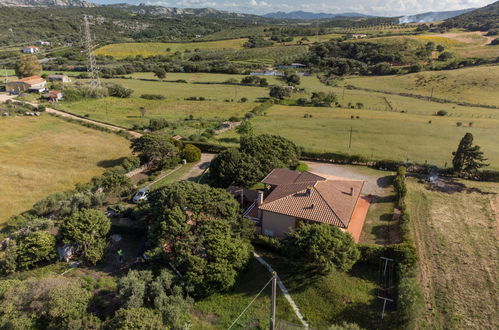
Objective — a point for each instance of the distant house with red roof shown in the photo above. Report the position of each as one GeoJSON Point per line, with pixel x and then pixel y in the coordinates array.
{"type": "Point", "coordinates": [52, 96]}
{"type": "Point", "coordinates": [30, 50]}
{"type": "Point", "coordinates": [294, 198]}
{"type": "Point", "coordinates": [31, 84]}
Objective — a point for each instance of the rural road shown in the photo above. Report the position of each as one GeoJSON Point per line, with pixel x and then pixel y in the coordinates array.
{"type": "Point", "coordinates": [108, 126]}
{"type": "Point", "coordinates": [200, 167]}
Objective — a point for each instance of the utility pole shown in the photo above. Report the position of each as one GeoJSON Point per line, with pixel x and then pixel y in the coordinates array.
{"type": "Point", "coordinates": [350, 143]}
{"type": "Point", "coordinates": [431, 95]}
{"type": "Point", "coordinates": [273, 301]}
{"type": "Point", "coordinates": [92, 64]}
{"type": "Point", "coordinates": [5, 75]}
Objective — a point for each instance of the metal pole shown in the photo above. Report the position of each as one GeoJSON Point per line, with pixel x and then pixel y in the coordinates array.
{"type": "Point", "coordinates": [350, 143]}
{"type": "Point", "coordinates": [273, 302]}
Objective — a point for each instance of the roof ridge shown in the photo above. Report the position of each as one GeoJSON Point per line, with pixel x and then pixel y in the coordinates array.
{"type": "Point", "coordinates": [287, 184]}
{"type": "Point", "coordinates": [329, 206]}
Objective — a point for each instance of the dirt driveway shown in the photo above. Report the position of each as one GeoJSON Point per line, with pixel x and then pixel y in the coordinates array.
{"type": "Point", "coordinates": [374, 184]}
{"type": "Point", "coordinates": [200, 167]}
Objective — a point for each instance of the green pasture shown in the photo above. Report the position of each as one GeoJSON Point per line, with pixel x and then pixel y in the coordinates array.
{"type": "Point", "coordinates": [377, 134]}
{"type": "Point", "coordinates": [477, 85]}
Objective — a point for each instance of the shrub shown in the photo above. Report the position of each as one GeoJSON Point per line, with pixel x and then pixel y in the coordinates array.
{"type": "Point", "coordinates": [191, 153]}
{"type": "Point", "coordinates": [322, 246]}
{"type": "Point", "coordinates": [152, 96]}
{"type": "Point", "coordinates": [119, 91]}
{"type": "Point", "coordinates": [459, 124]}
{"type": "Point", "coordinates": [131, 163]}
{"type": "Point", "coordinates": [495, 41]}
{"type": "Point", "coordinates": [35, 247]}
{"type": "Point", "coordinates": [441, 113]}
{"type": "Point", "coordinates": [302, 167]}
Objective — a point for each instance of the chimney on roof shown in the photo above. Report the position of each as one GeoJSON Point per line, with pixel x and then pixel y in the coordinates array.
{"type": "Point", "coordinates": [351, 191]}
{"type": "Point", "coordinates": [308, 193]}
{"type": "Point", "coordinates": [259, 200]}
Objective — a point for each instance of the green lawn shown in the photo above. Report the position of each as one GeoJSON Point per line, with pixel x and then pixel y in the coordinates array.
{"type": "Point", "coordinates": [45, 154]}
{"type": "Point", "coordinates": [219, 310]}
{"type": "Point", "coordinates": [333, 298]}
{"type": "Point", "coordinates": [147, 49]}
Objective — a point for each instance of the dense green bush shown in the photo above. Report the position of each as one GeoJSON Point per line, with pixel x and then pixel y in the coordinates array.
{"type": "Point", "coordinates": [35, 248]}
{"type": "Point", "coordinates": [152, 96]}
{"type": "Point", "coordinates": [191, 153]}
{"type": "Point", "coordinates": [131, 163]}
{"type": "Point", "coordinates": [119, 91]}
{"type": "Point", "coordinates": [322, 246]}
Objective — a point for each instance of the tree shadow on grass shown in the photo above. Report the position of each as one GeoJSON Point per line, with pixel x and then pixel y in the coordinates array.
{"type": "Point", "coordinates": [229, 140]}
{"type": "Point", "coordinates": [383, 199]}
{"type": "Point", "coordinates": [385, 181]}
{"type": "Point", "coordinates": [111, 162]}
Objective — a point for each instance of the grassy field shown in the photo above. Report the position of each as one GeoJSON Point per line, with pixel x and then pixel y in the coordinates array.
{"type": "Point", "coordinates": [43, 155]}
{"type": "Point", "coordinates": [456, 235]}
{"type": "Point", "coordinates": [477, 85]}
{"type": "Point", "coordinates": [125, 112]}
{"type": "Point", "coordinates": [219, 310]}
{"type": "Point", "coordinates": [377, 134]}
{"type": "Point", "coordinates": [461, 44]}
{"type": "Point", "coordinates": [332, 298]}
{"type": "Point", "coordinates": [147, 49]}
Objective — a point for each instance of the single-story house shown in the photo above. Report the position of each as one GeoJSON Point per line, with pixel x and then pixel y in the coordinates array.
{"type": "Point", "coordinates": [52, 96]}
{"type": "Point", "coordinates": [31, 84]}
{"type": "Point", "coordinates": [30, 49]}
{"type": "Point", "coordinates": [59, 77]}
{"type": "Point", "coordinates": [293, 198]}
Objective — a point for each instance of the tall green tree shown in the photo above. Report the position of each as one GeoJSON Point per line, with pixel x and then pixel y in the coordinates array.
{"type": "Point", "coordinates": [137, 319]}
{"type": "Point", "coordinates": [280, 93]}
{"type": "Point", "coordinates": [322, 246]}
{"type": "Point", "coordinates": [34, 248]}
{"type": "Point", "coordinates": [87, 229]}
{"type": "Point", "coordinates": [28, 65]}
{"type": "Point", "coordinates": [156, 148]}
{"type": "Point", "coordinates": [210, 256]}
{"type": "Point", "coordinates": [234, 167]}
{"type": "Point", "coordinates": [468, 158]}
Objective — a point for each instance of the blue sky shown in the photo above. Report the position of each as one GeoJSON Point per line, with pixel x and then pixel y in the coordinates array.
{"type": "Point", "coordinates": [373, 7]}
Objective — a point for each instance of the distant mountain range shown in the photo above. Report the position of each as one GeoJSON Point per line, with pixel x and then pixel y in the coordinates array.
{"type": "Point", "coordinates": [433, 16]}
{"type": "Point", "coordinates": [46, 3]}
{"type": "Point", "coordinates": [304, 15]}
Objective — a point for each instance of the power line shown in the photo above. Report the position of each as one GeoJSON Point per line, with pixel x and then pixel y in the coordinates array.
{"type": "Point", "coordinates": [92, 63]}
{"type": "Point", "coordinates": [252, 301]}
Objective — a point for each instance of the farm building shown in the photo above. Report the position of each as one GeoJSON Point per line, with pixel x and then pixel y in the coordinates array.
{"type": "Point", "coordinates": [52, 96]}
{"type": "Point", "coordinates": [359, 35]}
{"type": "Point", "coordinates": [31, 84]}
{"type": "Point", "coordinates": [292, 66]}
{"type": "Point", "coordinates": [293, 198]}
{"type": "Point", "coordinates": [59, 77]}
{"type": "Point", "coordinates": [42, 43]}
{"type": "Point", "coordinates": [30, 50]}
{"type": "Point", "coordinates": [267, 73]}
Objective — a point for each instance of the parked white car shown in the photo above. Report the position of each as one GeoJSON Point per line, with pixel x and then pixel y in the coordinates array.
{"type": "Point", "coordinates": [141, 195]}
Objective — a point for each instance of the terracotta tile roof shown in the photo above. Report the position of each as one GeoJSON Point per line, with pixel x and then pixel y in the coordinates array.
{"type": "Point", "coordinates": [280, 176]}
{"type": "Point", "coordinates": [32, 80]}
{"type": "Point", "coordinates": [330, 201]}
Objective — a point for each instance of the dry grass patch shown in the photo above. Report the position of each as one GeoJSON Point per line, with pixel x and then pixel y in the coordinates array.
{"type": "Point", "coordinates": [42, 155]}
{"type": "Point", "coordinates": [456, 238]}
